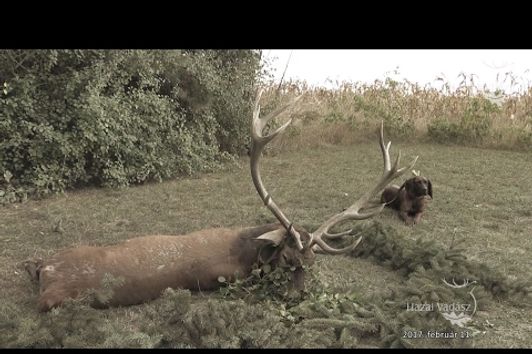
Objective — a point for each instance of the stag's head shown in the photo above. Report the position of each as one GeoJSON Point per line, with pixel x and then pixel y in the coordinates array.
{"type": "Point", "coordinates": [298, 244]}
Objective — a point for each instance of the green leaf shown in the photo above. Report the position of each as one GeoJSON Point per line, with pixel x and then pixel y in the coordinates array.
{"type": "Point", "coordinates": [266, 268]}
{"type": "Point", "coordinates": [7, 175]}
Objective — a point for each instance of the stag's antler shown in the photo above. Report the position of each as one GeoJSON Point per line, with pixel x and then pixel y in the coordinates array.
{"type": "Point", "coordinates": [363, 208]}
{"type": "Point", "coordinates": [259, 141]}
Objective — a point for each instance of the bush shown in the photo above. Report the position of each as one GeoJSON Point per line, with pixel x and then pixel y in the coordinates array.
{"type": "Point", "coordinates": [386, 101]}
{"type": "Point", "coordinates": [474, 125]}
{"type": "Point", "coordinates": [71, 118]}
{"type": "Point", "coordinates": [525, 137]}
{"type": "Point", "coordinates": [442, 130]}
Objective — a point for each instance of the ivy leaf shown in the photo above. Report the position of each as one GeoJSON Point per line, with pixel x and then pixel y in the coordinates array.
{"type": "Point", "coordinates": [266, 268]}
{"type": "Point", "coordinates": [7, 175]}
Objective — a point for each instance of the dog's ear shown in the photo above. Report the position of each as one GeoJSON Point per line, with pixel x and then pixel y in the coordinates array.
{"type": "Point", "coordinates": [430, 188]}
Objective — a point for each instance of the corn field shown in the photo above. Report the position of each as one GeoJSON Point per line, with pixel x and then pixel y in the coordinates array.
{"type": "Point", "coordinates": [464, 116]}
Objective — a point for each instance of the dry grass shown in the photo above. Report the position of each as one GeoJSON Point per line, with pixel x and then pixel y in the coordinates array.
{"type": "Point", "coordinates": [483, 196]}
{"type": "Point", "coordinates": [354, 109]}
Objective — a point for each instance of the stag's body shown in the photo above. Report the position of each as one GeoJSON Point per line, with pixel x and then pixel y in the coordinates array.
{"type": "Point", "coordinates": [150, 264]}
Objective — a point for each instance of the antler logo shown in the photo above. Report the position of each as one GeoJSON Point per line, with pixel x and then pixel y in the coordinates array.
{"type": "Point", "coordinates": [462, 318]}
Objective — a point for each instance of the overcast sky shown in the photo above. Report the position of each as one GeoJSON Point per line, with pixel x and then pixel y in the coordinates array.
{"type": "Point", "coordinates": [422, 66]}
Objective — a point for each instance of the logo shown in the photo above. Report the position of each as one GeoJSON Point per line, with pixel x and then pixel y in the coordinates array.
{"type": "Point", "coordinates": [451, 313]}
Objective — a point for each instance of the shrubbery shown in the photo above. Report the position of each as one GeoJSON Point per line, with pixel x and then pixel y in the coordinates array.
{"type": "Point", "coordinates": [474, 124]}
{"type": "Point", "coordinates": [70, 118]}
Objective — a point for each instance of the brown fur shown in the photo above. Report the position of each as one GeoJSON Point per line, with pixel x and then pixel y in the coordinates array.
{"type": "Point", "coordinates": [410, 199]}
{"type": "Point", "coordinates": [150, 264]}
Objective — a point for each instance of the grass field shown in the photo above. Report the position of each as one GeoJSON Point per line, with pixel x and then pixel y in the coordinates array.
{"type": "Point", "coordinates": [480, 196]}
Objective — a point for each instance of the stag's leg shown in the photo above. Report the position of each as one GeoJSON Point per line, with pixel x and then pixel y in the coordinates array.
{"type": "Point", "coordinates": [417, 218]}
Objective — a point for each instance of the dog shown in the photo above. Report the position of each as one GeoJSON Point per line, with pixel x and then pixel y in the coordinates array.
{"type": "Point", "coordinates": [410, 199]}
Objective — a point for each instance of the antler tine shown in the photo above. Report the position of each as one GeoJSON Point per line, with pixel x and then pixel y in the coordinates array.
{"type": "Point", "coordinates": [328, 249]}
{"type": "Point", "coordinates": [385, 149]}
{"type": "Point", "coordinates": [354, 212]}
{"type": "Point", "coordinates": [339, 234]}
{"type": "Point", "coordinates": [259, 124]}
{"type": "Point", "coordinates": [259, 141]}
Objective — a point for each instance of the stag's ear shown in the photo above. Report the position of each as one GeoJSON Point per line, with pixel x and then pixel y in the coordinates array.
{"type": "Point", "coordinates": [430, 188]}
{"type": "Point", "coordinates": [275, 236]}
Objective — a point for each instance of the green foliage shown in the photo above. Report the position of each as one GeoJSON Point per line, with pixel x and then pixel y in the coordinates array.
{"type": "Point", "coordinates": [382, 108]}
{"type": "Point", "coordinates": [211, 323]}
{"type": "Point", "coordinates": [112, 118]}
{"type": "Point", "coordinates": [474, 125]}
{"type": "Point", "coordinates": [264, 282]}
{"type": "Point", "coordinates": [311, 318]}
{"type": "Point", "coordinates": [75, 325]}
{"type": "Point", "coordinates": [231, 324]}
{"type": "Point", "coordinates": [104, 293]}
{"type": "Point", "coordinates": [412, 258]}
{"type": "Point", "coordinates": [424, 266]}
{"type": "Point", "coordinates": [442, 130]}
{"type": "Point", "coordinates": [524, 137]}
{"type": "Point", "coordinates": [478, 117]}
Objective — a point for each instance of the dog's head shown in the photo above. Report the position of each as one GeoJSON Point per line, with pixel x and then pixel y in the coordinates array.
{"type": "Point", "coordinates": [419, 186]}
